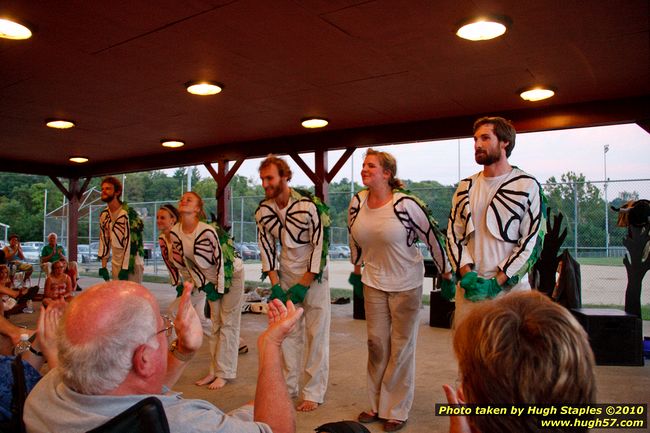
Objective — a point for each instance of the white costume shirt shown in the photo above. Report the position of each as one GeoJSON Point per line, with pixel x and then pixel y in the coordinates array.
{"type": "Point", "coordinates": [115, 238]}
{"type": "Point", "coordinates": [496, 224]}
{"type": "Point", "coordinates": [298, 228]}
{"type": "Point", "coordinates": [198, 256]}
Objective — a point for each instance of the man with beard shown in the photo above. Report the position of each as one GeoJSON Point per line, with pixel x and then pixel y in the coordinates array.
{"type": "Point", "coordinates": [120, 235]}
{"type": "Point", "coordinates": [497, 220]}
{"type": "Point", "coordinates": [299, 222]}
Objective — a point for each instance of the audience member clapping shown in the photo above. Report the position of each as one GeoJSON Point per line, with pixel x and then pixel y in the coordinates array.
{"type": "Point", "coordinates": [519, 349]}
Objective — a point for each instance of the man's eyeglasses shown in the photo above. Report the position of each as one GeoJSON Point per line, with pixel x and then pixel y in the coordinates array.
{"type": "Point", "coordinates": [168, 327]}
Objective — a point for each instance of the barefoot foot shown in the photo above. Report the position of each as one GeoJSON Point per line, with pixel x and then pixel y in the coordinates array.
{"type": "Point", "coordinates": [218, 383]}
{"type": "Point", "coordinates": [307, 406]}
{"type": "Point", "coordinates": [207, 379]}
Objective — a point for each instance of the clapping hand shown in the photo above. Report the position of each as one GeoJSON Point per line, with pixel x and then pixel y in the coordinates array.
{"type": "Point", "coordinates": [48, 321]}
{"type": "Point", "coordinates": [457, 423]}
{"type": "Point", "coordinates": [187, 323]}
{"type": "Point", "coordinates": [282, 320]}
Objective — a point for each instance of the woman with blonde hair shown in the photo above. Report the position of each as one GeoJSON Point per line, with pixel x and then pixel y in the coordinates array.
{"type": "Point", "coordinates": [58, 285]}
{"type": "Point", "coordinates": [384, 222]}
{"type": "Point", "coordinates": [197, 254]}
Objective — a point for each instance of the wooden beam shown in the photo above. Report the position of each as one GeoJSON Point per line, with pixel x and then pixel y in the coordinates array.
{"type": "Point", "coordinates": [339, 164]}
{"type": "Point", "coordinates": [304, 167]}
{"type": "Point", "coordinates": [84, 187]}
{"type": "Point", "coordinates": [55, 180]}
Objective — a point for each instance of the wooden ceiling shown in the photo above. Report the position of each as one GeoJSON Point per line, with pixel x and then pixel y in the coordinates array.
{"type": "Point", "coordinates": [382, 71]}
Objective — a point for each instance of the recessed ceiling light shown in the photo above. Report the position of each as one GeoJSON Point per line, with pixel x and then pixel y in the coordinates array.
{"type": "Point", "coordinates": [314, 122]}
{"type": "Point", "coordinates": [12, 30]}
{"type": "Point", "coordinates": [79, 159]}
{"type": "Point", "coordinates": [59, 123]}
{"type": "Point", "coordinates": [203, 88]}
{"type": "Point", "coordinates": [536, 94]}
{"type": "Point", "coordinates": [172, 143]}
{"type": "Point", "coordinates": [483, 28]}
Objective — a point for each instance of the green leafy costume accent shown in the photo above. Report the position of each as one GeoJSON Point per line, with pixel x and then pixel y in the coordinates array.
{"type": "Point", "coordinates": [324, 214]}
{"type": "Point", "coordinates": [136, 227]}
{"type": "Point", "coordinates": [228, 252]}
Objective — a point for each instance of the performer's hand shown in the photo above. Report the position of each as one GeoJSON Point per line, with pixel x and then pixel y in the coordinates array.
{"type": "Point", "coordinates": [123, 275]}
{"type": "Point", "coordinates": [357, 285]}
{"type": "Point", "coordinates": [468, 282]}
{"type": "Point", "coordinates": [297, 293]}
{"type": "Point", "coordinates": [187, 323]}
{"type": "Point", "coordinates": [448, 288]}
{"type": "Point", "coordinates": [484, 289]}
{"type": "Point", "coordinates": [103, 272]}
{"type": "Point", "coordinates": [278, 293]}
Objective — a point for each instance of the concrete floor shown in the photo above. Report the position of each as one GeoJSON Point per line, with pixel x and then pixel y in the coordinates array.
{"type": "Point", "coordinates": [346, 395]}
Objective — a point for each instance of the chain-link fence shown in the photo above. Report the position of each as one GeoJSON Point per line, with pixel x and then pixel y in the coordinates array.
{"type": "Point", "coordinates": [592, 235]}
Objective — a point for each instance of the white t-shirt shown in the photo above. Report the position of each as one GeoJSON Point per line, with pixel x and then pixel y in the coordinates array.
{"type": "Point", "coordinates": [389, 264]}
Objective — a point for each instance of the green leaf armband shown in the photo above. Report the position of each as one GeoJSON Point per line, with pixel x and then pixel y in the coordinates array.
{"type": "Point", "coordinates": [103, 272]}
{"type": "Point", "coordinates": [297, 293]}
{"type": "Point", "coordinates": [278, 293]}
{"type": "Point", "coordinates": [448, 289]}
{"type": "Point", "coordinates": [357, 285]}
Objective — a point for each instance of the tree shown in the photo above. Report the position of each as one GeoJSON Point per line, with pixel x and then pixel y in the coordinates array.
{"type": "Point", "coordinates": [573, 192]}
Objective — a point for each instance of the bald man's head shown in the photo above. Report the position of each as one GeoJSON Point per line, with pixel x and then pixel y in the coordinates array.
{"type": "Point", "coordinates": [100, 331]}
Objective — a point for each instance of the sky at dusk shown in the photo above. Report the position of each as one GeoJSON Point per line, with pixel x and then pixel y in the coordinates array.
{"type": "Point", "coordinates": [542, 154]}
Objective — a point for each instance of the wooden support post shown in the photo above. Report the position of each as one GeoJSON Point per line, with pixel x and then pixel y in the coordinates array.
{"type": "Point", "coordinates": [222, 193]}
{"type": "Point", "coordinates": [321, 187]}
{"type": "Point", "coordinates": [73, 193]}
{"type": "Point", "coordinates": [320, 176]}
{"type": "Point", "coordinates": [73, 218]}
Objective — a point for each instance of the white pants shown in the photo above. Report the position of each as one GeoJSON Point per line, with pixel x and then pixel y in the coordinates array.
{"type": "Point", "coordinates": [306, 350]}
{"type": "Point", "coordinates": [197, 299]}
{"type": "Point", "coordinates": [116, 267]}
{"type": "Point", "coordinates": [226, 318]}
{"type": "Point", "coordinates": [392, 320]}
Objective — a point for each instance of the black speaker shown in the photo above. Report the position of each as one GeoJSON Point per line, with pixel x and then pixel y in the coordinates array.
{"type": "Point", "coordinates": [441, 311]}
{"type": "Point", "coordinates": [616, 337]}
{"type": "Point", "coordinates": [358, 309]}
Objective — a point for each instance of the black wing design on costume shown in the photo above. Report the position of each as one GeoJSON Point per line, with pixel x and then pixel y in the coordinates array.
{"type": "Point", "coordinates": [121, 231]}
{"type": "Point", "coordinates": [166, 256]}
{"type": "Point", "coordinates": [299, 222]}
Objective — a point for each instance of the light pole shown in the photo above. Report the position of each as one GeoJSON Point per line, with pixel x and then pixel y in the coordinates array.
{"type": "Point", "coordinates": [605, 150]}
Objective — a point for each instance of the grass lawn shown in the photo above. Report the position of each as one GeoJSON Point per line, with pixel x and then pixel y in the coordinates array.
{"type": "Point", "coordinates": [645, 309]}
{"type": "Point", "coordinates": [601, 261]}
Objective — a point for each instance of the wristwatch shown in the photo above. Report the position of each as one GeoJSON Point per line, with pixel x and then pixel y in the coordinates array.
{"type": "Point", "coordinates": [184, 357]}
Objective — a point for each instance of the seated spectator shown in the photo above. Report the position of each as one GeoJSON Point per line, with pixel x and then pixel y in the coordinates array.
{"type": "Point", "coordinates": [53, 252]}
{"type": "Point", "coordinates": [13, 252]}
{"type": "Point", "coordinates": [70, 271]}
{"type": "Point", "coordinates": [44, 350]}
{"type": "Point", "coordinates": [114, 351]}
{"type": "Point", "coordinates": [519, 349]}
{"type": "Point", "coordinates": [58, 286]}
{"type": "Point", "coordinates": [10, 296]}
